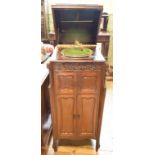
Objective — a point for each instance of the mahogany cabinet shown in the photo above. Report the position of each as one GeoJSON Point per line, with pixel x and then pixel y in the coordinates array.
{"type": "Point", "coordinates": [77, 99]}
{"type": "Point", "coordinates": [78, 83]}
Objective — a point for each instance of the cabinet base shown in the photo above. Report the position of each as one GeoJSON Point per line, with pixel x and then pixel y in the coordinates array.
{"type": "Point", "coordinates": [97, 147]}
{"type": "Point", "coordinates": [56, 144]}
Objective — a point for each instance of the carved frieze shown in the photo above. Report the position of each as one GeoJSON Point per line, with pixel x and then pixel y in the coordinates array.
{"type": "Point", "coordinates": [77, 66]}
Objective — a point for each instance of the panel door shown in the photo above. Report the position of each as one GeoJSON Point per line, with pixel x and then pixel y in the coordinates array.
{"type": "Point", "coordinates": [88, 82]}
{"type": "Point", "coordinates": [87, 106]}
{"type": "Point", "coordinates": [65, 110]}
{"type": "Point", "coordinates": [65, 82]}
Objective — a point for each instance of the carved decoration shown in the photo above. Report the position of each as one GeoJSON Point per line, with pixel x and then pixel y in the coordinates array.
{"type": "Point", "coordinates": [77, 66]}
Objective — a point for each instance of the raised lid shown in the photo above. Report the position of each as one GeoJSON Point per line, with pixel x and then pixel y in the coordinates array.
{"type": "Point", "coordinates": [76, 23]}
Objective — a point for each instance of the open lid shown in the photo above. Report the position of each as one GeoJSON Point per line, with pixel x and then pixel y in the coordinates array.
{"type": "Point", "coordinates": [76, 23]}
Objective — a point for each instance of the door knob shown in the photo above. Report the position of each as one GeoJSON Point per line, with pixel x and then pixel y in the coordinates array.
{"type": "Point", "coordinates": [76, 116]}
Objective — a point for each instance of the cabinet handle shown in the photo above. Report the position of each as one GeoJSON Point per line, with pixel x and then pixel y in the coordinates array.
{"type": "Point", "coordinates": [76, 116]}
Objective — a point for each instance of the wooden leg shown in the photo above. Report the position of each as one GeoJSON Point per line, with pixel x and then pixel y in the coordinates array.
{"type": "Point", "coordinates": [97, 145]}
{"type": "Point", "coordinates": [43, 151]}
{"type": "Point", "coordinates": [55, 145]}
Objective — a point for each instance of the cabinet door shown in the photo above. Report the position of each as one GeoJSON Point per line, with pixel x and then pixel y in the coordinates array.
{"type": "Point", "coordinates": [65, 82]}
{"type": "Point", "coordinates": [65, 107]}
{"type": "Point", "coordinates": [88, 82]}
{"type": "Point", "coordinates": [87, 106]}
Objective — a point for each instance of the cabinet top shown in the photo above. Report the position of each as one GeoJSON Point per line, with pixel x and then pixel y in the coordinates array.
{"type": "Point", "coordinates": [97, 57]}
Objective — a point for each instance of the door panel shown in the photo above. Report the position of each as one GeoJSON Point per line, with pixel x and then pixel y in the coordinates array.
{"type": "Point", "coordinates": [88, 82]}
{"type": "Point", "coordinates": [65, 111]}
{"type": "Point", "coordinates": [87, 110]}
{"type": "Point", "coordinates": [77, 103]}
{"type": "Point", "coordinates": [65, 82]}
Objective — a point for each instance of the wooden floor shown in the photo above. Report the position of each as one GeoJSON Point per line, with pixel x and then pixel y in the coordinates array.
{"type": "Point", "coordinates": [87, 147]}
